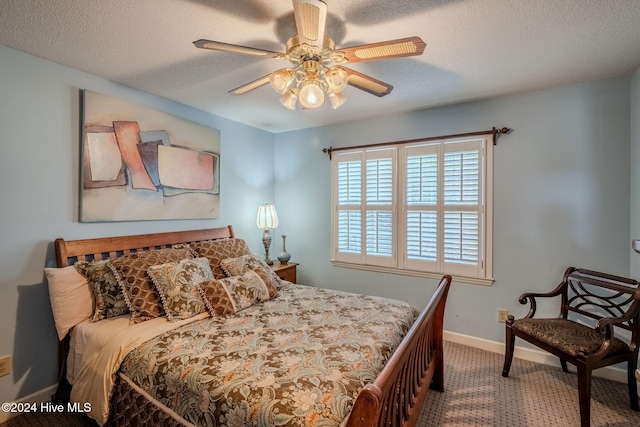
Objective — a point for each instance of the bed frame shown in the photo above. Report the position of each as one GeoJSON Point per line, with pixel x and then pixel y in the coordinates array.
{"type": "Point", "coordinates": [394, 399]}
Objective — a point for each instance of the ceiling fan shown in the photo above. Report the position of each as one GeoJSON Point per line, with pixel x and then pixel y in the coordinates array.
{"type": "Point", "coordinates": [312, 55]}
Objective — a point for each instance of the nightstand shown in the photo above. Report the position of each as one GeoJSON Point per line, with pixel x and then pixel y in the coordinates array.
{"type": "Point", "coordinates": [285, 272]}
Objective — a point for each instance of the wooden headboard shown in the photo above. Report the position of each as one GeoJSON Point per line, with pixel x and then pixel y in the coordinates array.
{"type": "Point", "coordinates": [70, 251]}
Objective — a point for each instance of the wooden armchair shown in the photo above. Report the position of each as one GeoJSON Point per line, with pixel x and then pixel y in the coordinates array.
{"type": "Point", "coordinates": [587, 297]}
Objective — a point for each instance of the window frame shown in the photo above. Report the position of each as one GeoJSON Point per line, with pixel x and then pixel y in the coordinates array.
{"type": "Point", "coordinates": [480, 273]}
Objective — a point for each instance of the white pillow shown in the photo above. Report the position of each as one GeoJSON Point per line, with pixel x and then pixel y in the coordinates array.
{"type": "Point", "coordinates": [71, 298]}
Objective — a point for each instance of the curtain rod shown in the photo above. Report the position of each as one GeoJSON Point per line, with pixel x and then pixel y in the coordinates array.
{"type": "Point", "coordinates": [495, 132]}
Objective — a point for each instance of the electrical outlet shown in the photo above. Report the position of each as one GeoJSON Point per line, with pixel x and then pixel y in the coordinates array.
{"type": "Point", "coordinates": [502, 315]}
{"type": "Point", "coordinates": [5, 365]}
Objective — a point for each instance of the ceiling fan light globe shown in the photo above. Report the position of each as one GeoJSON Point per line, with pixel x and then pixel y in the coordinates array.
{"type": "Point", "coordinates": [289, 100]}
{"type": "Point", "coordinates": [336, 99]}
{"type": "Point", "coordinates": [337, 78]}
{"type": "Point", "coordinates": [311, 95]}
{"type": "Point", "coordinates": [281, 80]}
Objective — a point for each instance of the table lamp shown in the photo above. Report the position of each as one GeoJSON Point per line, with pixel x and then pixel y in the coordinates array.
{"type": "Point", "coordinates": [266, 220]}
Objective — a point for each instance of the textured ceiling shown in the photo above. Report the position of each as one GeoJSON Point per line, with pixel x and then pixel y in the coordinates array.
{"type": "Point", "coordinates": [475, 48]}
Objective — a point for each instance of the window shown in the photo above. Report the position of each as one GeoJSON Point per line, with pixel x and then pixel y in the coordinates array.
{"type": "Point", "coordinates": [415, 208]}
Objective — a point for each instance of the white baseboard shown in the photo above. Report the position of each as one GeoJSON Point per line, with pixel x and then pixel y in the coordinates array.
{"type": "Point", "coordinates": [38, 397]}
{"type": "Point", "coordinates": [532, 355]}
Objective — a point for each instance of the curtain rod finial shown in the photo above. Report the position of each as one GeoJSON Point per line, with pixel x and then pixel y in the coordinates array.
{"type": "Point", "coordinates": [328, 151]}
{"type": "Point", "coordinates": [501, 131]}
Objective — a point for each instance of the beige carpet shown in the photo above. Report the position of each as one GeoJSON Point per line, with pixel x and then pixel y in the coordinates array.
{"type": "Point", "coordinates": [533, 395]}
{"type": "Point", "coordinates": [476, 394]}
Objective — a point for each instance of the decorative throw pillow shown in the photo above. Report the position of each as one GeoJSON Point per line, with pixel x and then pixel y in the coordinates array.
{"type": "Point", "coordinates": [177, 283]}
{"type": "Point", "coordinates": [141, 296]}
{"type": "Point", "coordinates": [242, 292]}
{"type": "Point", "coordinates": [216, 298]}
{"type": "Point", "coordinates": [108, 295]}
{"type": "Point", "coordinates": [71, 300]}
{"type": "Point", "coordinates": [240, 265]}
{"type": "Point", "coordinates": [217, 250]}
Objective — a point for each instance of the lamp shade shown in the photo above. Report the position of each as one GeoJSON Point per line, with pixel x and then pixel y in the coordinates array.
{"type": "Point", "coordinates": [337, 78]}
{"type": "Point", "coordinates": [337, 99]}
{"type": "Point", "coordinates": [311, 95]}
{"type": "Point", "coordinates": [289, 100]}
{"type": "Point", "coordinates": [281, 80]}
{"type": "Point", "coordinates": [267, 217]}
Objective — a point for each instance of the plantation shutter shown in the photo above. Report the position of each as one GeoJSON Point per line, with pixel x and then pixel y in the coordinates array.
{"type": "Point", "coordinates": [349, 207]}
{"type": "Point", "coordinates": [421, 188]}
{"type": "Point", "coordinates": [463, 207]}
{"type": "Point", "coordinates": [380, 191]}
{"type": "Point", "coordinates": [365, 207]}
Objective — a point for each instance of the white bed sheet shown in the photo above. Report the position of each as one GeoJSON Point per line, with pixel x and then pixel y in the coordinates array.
{"type": "Point", "coordinates": [80, 335]}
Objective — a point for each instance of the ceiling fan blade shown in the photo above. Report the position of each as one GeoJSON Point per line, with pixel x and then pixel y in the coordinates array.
{"type": "Point", "coordinates": [368, 84]}
{"type": "Point", "coordinates": [311, 16]}
{"type": "Point", "coordinates": [251, 85]}
{"type": "Point", "coordinates": [213, 45]}
{"type": "Point", "coordinates": [410, 46]}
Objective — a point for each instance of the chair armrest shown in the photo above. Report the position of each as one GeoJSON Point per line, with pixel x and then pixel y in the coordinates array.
{"type": "Point", "coordinates": [531, 296]}
{"type": "Point", "coordinates": [602, 327]}
{"type": "Point", "coordinates": [606, 324]}
{"type": "Point", "coordinates": [629, 315]}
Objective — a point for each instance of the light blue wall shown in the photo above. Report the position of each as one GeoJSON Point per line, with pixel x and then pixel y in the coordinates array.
{"type": "Point", "coordinates": [561, 182]}
{"type": "Point", "coordinates": [635, 169]}
{"type": "Point", "coordinates": [39, 149]}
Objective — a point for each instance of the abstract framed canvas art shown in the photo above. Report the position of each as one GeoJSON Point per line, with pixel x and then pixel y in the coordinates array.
{"type": "Point", "coordinates": [142, 164]}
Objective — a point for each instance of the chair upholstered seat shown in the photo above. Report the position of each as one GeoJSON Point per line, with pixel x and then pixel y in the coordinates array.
{"type": "Point", "coordinates": [567, 335]}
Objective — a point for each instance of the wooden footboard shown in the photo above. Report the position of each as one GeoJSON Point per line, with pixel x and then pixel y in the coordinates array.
{"type": "Point", "coordinates": [395, 398]}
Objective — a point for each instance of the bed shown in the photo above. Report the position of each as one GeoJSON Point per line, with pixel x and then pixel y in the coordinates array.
{"type": "Point", "coordinates": [262, 351]}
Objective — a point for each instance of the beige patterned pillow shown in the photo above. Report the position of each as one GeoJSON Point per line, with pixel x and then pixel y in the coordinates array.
{"type": "Point", "coordinates": [217, 250]}
{"type": "Point", "coordinates": [240, 265]}
{"type": "Point", "coordinates": [242, 292]}
{"type": "Point", "coordinates": [141, 296]}
{"type": "Point", "coordinates": [177, 283]}
{"type": "Point", "coordinates": [107, 292]}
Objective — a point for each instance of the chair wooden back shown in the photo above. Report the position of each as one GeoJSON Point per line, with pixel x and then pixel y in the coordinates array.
{"type": "Point", "coordinates": [598, 295]}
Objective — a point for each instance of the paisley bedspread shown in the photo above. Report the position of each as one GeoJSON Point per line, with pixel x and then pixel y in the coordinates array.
{"type": "Point", "coordinates": [297, 360]}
